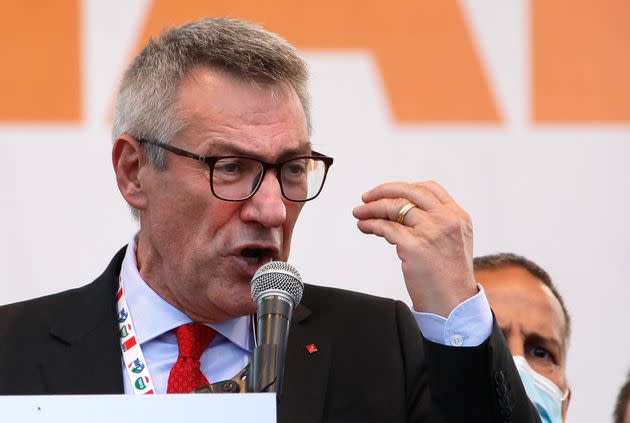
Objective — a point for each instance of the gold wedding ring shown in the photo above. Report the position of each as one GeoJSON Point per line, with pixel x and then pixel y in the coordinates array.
{"type": "Point", "coordinates": [403, 211]}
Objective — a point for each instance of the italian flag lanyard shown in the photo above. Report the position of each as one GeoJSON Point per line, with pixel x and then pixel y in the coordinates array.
{"type": "Point", "coordinates": [135, 365]}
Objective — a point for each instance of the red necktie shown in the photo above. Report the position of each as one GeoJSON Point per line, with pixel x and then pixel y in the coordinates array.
{"type": "Point", "coordinates": [192, 340]}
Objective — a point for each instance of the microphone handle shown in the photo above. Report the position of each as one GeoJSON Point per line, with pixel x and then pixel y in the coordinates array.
{"type": "Point", "coordinates": [274, 314]}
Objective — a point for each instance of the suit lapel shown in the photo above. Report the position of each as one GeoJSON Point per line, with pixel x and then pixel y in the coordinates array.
{"type": "Point", "coordinates": [306, 373]}
{"type": "Point", "coordinates": [84, 357]}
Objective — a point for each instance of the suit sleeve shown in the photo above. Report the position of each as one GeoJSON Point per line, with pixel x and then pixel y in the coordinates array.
{"type": "Point", "coordinates": [475, 384]}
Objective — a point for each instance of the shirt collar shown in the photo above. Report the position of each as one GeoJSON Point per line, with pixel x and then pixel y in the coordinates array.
{"type": "Point", "coordinates": [152, 316]}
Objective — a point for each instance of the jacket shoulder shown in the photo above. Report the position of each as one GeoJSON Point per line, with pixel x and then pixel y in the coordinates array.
{"type": "Point", "coordinates": [47, 343]}
{"type": "Point", "coordinates": [33, 318]}
{"type": "Point", "coordinates": [315, 294]}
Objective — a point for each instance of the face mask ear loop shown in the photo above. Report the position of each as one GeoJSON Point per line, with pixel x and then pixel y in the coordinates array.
{"type": "Point", "coordinates": [564, 404]}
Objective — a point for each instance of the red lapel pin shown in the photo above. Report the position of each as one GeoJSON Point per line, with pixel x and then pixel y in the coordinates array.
{"type": "Point", "coordinates": [311, 348]}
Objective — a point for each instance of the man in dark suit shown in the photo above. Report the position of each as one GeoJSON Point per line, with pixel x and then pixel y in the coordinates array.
{"type": "Point", "coordinates": [212, 153]}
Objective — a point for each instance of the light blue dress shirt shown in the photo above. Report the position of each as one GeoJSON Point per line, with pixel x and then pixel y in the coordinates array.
{"type": "Point", "coordinates": [469, 324]}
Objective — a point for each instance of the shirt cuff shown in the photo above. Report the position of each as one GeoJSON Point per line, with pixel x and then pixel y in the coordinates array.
{"type": "Point", "coordinates": [468, 325]}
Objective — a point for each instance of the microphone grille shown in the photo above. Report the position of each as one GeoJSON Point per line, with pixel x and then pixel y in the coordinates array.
{"type": "Point", "coordinates": [275, 277]}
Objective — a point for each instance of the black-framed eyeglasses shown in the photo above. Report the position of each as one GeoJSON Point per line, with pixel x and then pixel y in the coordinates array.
{"type": "Point", "coordinates": [237, 178]}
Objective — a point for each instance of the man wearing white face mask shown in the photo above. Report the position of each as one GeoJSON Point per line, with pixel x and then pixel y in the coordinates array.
{"type": "Point", "coordinates": [536, 325]}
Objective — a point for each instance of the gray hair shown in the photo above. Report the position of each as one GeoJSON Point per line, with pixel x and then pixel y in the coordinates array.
{"type": "Point", "coordinates": [146, 107]}
{"type": "Point", "coordinates": [495, 261]}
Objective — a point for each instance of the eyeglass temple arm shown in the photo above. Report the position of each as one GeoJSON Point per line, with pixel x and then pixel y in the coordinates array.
{"type": "Point", "coordinates": [329, 160]}
{"type": "Point", "coordinates": [175, 150]}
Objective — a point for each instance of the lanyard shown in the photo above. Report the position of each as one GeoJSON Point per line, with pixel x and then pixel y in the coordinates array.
{"type": "Point", "coordinates": [135, 365]}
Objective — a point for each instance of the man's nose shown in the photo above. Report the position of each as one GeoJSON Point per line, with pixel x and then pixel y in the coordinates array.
{"type": "Point", "coordinates": [516, 345]}
{"type": "Point", "coordinates": [267, 205]}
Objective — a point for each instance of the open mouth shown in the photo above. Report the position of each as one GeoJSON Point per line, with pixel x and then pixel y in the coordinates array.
{"type": "Point", "coordinates": [257, 255]}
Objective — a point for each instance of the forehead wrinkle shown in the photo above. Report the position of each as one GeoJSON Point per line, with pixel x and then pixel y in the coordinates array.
{"type": "Point", "coordinates": [228, 148]}
{"type": "Point", "coordinates": [211, 79]}
{"type": "Point", "coordinates": [536, 325]}
{"type": "Point", "coordinates": [217, 145]}
{"type": "Point", "coordinates": [522, 311]}
{"type": "Point", "coordinates": [520, 329]}
{"type": "Point", "coordinates": [226, 132]}
{"type": "Point", "coordinates": [270, 127]}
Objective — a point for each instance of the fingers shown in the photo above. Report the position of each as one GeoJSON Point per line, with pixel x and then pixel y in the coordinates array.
{"type": "Point", "coordinates": [438, 191]}
{"type": "Point", "coordinates": [426, 195]}
{"type": "Point", "coordinates": [394, 233]}
{"type": "Point", "coordinates": [436, 212]}
{"type": "Point", "coordinates": [434, 241]}
{"type": "Point", "coordinates": [388, 209]}
{"type": "Point", "coordinates": [387, 200]}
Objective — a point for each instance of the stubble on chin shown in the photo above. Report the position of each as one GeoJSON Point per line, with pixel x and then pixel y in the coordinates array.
{"type": "Point", "coordinates": [220, 298]}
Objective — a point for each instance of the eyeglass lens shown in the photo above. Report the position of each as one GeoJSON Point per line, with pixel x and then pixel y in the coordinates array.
{"type": "Point", "coordinates": [236, 178]}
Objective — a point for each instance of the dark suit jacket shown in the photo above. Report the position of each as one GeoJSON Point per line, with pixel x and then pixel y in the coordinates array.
{"type": "Point", "coordinates": [372, 364]}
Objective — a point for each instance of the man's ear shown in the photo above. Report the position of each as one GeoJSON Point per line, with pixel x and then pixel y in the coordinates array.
{"type": "Point", "coordinates": [128, 160]}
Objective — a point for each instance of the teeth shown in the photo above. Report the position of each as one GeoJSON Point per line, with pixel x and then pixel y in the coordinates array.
{"type": "Point", "coordinates": [252, 260]}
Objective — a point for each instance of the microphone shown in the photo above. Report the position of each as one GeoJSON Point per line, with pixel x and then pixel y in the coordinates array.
{"type": "Point", "coordinates": [276, 289]}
